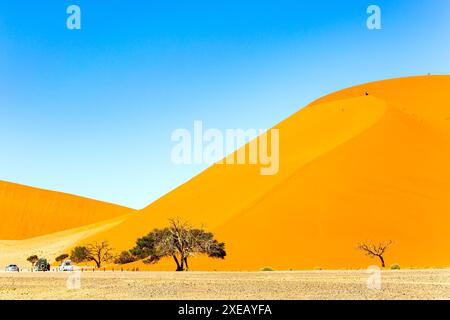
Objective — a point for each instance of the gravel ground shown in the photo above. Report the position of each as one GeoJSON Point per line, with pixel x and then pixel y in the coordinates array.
{"type": "Point", "coordinates": [400, 284]}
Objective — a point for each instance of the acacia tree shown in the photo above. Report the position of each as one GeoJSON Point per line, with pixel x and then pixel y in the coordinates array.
{"type": "Point", "coordinates": [179, 241]}
{"type": "Point", "coordinates": [98, 252]}
{"type": "Point", "coordinates": [376, 250]}
{"type": "Point", "coordinates": [33, 259]}
{"type": "Point", "coordinates": [61, 257]}
{"type": "Point", "coordinates": [124, 257]}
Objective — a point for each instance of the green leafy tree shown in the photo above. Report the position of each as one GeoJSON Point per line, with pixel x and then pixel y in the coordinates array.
{"type": "Point", "coordinates": [79, 254]}
{"type": "Point", "coordinates": [124, 258]}
{"type": "Point", "coordinates": [62, 257]}
{"type": "Point", "coordinates": [33, 259]}
{"type": "Point", "coordinates": [179, 241]}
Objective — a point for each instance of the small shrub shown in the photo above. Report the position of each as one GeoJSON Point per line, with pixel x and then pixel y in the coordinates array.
{"type": "Point", "coordinates": [62, 257]}
{"type": "Point", "coordinates": [33, 259]}
{"type": "Point", "coordinates": [267, 269]}
{"type": "Point", "coordinates": [395, 267]}
{"type": "Point", "coordinates": [124, 258]}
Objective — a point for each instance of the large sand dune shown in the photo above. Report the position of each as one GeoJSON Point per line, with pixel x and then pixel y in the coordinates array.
{"type": "Point", "coordinates": [49, 246]}
{"type": "Point", "coordinates": [27, 212]}
{"type": "Point", "coordinates": [352, 168]}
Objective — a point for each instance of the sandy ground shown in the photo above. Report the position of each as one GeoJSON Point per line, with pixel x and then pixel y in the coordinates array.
{"type": "Point", "coordinates": [404, 284]}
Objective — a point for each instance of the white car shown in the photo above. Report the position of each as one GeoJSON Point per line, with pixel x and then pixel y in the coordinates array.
{"type": "Point", "coordinates": [66, 266]}
{"type": "Point", "coordinates": [12, 268]}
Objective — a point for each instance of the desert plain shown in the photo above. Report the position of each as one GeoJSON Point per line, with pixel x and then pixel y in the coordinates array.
{"type": "Point", "coordinates": [430, 284]}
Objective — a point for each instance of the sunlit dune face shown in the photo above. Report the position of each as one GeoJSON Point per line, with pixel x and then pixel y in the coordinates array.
{"type": "Point", "coordinates": [369, 163]}
{"type": "Point", "coordinates": [28, 212]}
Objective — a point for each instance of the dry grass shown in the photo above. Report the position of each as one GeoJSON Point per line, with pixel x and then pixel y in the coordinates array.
{"type": "Point", "coordinates": [403, 284]}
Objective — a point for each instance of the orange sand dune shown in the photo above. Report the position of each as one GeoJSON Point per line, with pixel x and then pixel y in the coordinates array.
{"type": "Point", "coordinates": [219, 193]}
{"type": "Point", "coordinates": [50, 246]}
{"type": "Point", "coordinates": [352, 168]}
{"type": "Point", "coordinates": [27, 212]}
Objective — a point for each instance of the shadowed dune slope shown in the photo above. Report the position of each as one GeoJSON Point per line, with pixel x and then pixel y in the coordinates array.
{"type": "Point", "coordinates": [352, 168]}
{"type": "Point", "coordinates": [27, 212]}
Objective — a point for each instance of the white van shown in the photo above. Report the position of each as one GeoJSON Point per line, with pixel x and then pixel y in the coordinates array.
{"type": "Point", "coordinates": [66, 265]}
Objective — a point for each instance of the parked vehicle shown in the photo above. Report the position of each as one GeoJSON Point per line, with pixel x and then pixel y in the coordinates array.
{"type": "Point", "coordinates": [12, 268]}
{"type": "Point", "coordinates": [66, 265]}
{"type": "Point", "coordinates": [42, 265]}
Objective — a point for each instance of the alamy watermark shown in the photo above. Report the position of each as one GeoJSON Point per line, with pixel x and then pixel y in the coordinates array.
{"type": "Point", "coordinates": [374, 279]}
{"type": "Point", "coordinates": [74, 280]}
{"type": "Point", "coordinates": [73, 21]}
{"type": "Point", "coordinates": [374, 20]}
{"type": "Point", "coordinates": [213, 146]}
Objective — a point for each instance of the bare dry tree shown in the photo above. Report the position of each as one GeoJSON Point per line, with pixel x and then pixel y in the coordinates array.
{"type": "Point", "coordinates": [98, 252]}
{"type": "Point", "coordinates": [180, 233]}
{"type": "Point", "coordinates": [376, 250]}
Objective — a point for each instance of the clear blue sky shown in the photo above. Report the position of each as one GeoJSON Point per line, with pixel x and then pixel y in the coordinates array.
{"type": "Point", "coordinates": [91, 112]}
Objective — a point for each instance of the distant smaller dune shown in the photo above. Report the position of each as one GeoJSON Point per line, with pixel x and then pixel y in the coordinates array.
{"type": "Point", "coordinates": [28, 212]}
